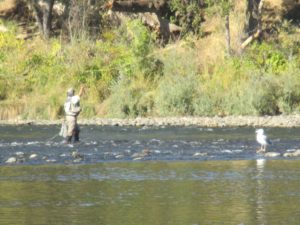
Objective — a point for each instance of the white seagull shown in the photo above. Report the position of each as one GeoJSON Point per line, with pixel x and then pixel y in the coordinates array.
{"type": "Point", "coordinates": [262, 139]}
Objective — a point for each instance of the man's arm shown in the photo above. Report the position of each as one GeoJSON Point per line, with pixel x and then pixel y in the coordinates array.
{"type": "Point", "coordinates": [81, 91]}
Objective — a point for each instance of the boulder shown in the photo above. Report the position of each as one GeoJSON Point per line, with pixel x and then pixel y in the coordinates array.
{"type": "Point", "coordinates": [33, 156]}
{"type": "Point", "coordinates": [272, 154]}
{"type": "Point", "coordinates": [292, 154]}
{"type": "Point", "coordinates": [11, 160]}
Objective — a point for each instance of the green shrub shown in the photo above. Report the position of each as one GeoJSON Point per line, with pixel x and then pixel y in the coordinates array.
{"type": "Point", "coordinates": [289, 100]}
{"type": "Point", "coordinates": [130, 98]}
{"type": "Point", "coordinates": [8, 41]}
{"type": "Point", "coordinates": [139, 38]}
{"type": "Point", "coordinates": [128, 76]}
{"type": "Point", "coordinates": [264, 95]}
{"type": "Point", "coordinates": [268, 57]}
{"type": "Point", "coordinates": [187, 15]}
{"type": "Point", "coordinates": [175, 95]}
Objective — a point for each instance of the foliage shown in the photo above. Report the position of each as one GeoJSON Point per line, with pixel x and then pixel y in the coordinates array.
{"type": "Point", "coordinates": [289, 39]}
{"type": "Point", "coordinates": [8, 41]}
{"type": "Point", "coordinates": [176, 95]}
{"type": "Point", "coordinates": [130, 98]}
{"type": "Point", "coordinates": [269, 57]}
{"type": "Point", "coordinates": [132, 92]}
{"type": "Point", "coordinates": [83, 20]}
{"type": "Point", "coordinates": [187, 14]}
{"type": "Point", "coordinates": [126, 75]}
{"type": "Point", "coordinates": [223, 6]}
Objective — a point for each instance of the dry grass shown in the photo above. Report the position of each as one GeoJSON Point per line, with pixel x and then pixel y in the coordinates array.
{"type": "Point", "coordinates": [11, 110]}
{"type": "Point", "coordinates": [7, 6]}
{"type": "Point", "coordinates": [282, 4]}
{"type": "Point", "coordinates": [212, 48]}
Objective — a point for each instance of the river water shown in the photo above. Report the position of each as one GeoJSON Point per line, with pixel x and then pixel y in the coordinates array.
{"type": "Point", "coordinates": [148, 175]}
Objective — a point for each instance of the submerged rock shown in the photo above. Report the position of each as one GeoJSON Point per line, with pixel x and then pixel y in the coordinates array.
{"type": "Point", "coordinates": [119, 156]}
{"type": "Point", "coordinates": [137, 158]}
{"type": "Point", "coordinates": [77, 155]}
{"type": "Point", "coordinates": [292, 154]}
{"type": "Point", "coordinates": [20, 154]}
{"type": "Point", "coordinates": [78, 160]}
{"type": "Point", "coordinates": [50, 160]}
{"type": "Point", "coordinates": [144, 153]}
{"type": "Point", "coordinates": [33, 156]}
{"type": "Point", "coordinates": [200, 154]}
{"type": "Point", "coordinates": [288, 154]}
{"type": "Point", "coordinates": [272, 154]}
{"type": "Point", "coordinates": [297, 153]}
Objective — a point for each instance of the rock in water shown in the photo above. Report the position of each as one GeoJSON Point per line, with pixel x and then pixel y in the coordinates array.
{"type": "Point", "coordinates": [292, 154]}
{"type": "Point", "coordinates": [20, 154]}
{"type": "Point", "coordinates": [272, 154]}
{"type": "Point", "coordinates": [200, 154]}
{"type": "Point", "coordinates": [11, 160]}
{"type": "Point", "coordinates": [288, 154]}
{"type": "Point", "coordinates": [50, 160]}
{"type": "Point", "coordinates": [120, 156]}
{"type": "Point", "coordinates": [77, 155]}
{"type": "Point", "coordinates": [296, 153]}
{"type": "Point", "coordinates": [33, 156]}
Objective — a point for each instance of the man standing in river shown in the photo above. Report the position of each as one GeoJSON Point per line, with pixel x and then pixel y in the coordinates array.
{"type": "Point", "coordinates": [72, 110]}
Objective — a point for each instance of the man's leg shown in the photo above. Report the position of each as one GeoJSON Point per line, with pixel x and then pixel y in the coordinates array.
{"type": "Point", "coordinates": [68, 139]}
{"type": "Point", "coordinates": [71, 129]}
{"type": "Point", "coordinates": [76, 133]}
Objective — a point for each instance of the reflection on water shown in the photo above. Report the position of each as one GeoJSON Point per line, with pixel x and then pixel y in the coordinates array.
{"type": "Point", "coordinates": [135, 193]}
{"type": "Point", "coordinates": [260, 165]}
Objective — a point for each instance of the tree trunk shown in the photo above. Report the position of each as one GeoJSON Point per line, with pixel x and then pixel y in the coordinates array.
{"type": "Point", "coordinates": [43, 15]}
{"type": "Point", "coordinates": [258, 31]}
{"type": "Point", "coordinates": [259, 15]}
{"type": "Point", "coordinates": [37, 14]}
{"type": "Point", "coordinates": [47, 18]}
{"type": "Point", "coordinates": [227, 26]}
{"type": "Point", "coordinates": [252, 17]}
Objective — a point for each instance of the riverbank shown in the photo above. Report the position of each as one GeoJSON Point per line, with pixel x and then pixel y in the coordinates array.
{"type": "Point", "coordinates": [230, 121]}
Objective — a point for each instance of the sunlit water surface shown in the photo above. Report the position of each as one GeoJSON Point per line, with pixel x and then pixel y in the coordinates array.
{"type": "Point", "coordinates": [187, 176]}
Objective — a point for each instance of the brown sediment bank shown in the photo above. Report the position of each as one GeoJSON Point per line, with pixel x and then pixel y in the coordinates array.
{"type": "Point", "coordinates": [229, 121]}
